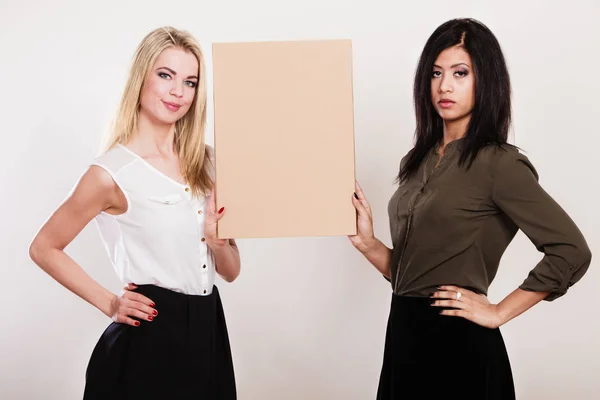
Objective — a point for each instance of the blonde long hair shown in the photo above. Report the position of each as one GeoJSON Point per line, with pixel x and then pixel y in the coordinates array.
{"type": "Point", "coordinates": [189, 130]}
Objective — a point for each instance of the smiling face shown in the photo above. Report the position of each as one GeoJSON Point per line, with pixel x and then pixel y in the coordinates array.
{"type": "Point", "coordinates": [453, 85]}
{"type": "Point", "coordinates": [170, 86]}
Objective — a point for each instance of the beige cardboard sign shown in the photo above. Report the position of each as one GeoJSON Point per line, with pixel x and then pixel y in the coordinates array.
{"type": "Point", "coordinates": [284, 138]}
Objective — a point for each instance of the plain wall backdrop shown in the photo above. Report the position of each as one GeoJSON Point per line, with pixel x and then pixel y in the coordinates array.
{"type": "Point", "coordinates": [307, 316]}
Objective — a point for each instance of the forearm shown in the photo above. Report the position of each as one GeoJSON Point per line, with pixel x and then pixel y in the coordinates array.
{"type": "Point", "coordinates": [69, 274]}
{"type": "Point", "coordinates": [517, 303]}
{"type": "Point", "coordinates": [379, 255]}
{"type": "Point", "coordinates": [227, 260]}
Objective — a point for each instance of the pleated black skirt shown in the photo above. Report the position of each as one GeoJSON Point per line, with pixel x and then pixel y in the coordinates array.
{"type": "Point", "coordinates": [183, 354]}
{"type": "Point", "coordinates": [433, 356]}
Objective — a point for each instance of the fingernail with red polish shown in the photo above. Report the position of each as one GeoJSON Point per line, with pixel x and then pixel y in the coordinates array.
{"type": "Point", "coordinates": [155, 312]}
{"type": "Point", "coordinates": [152, 305]}
{"type": "Point", "coordinates": [137, 323]}
{"type": "Point", "coordinates": [221, 210]}
{"type": "Point", "coordinates": [150, 317]}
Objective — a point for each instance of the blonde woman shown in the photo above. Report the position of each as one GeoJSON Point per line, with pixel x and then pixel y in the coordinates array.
{"type": "Point", "coordinates": [151, 195]}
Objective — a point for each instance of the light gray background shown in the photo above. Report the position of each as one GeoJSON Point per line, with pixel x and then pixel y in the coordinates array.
{"type": "Point", "coordinates": [307, 316]}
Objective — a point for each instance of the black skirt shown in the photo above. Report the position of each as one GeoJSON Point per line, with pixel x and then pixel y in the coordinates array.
{"type": "Point", "coordinates": [433, 356]}
{"type": "Point", "coordinates": [183, 354]}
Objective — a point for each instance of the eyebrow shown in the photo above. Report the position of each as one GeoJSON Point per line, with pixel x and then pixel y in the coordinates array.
{"type": "Point", "coordinates": [453, 66]}
{"type": "Point", "coordinates": [175, 73]}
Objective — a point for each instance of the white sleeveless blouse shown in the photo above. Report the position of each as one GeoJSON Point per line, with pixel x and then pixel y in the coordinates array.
{"type": "Point", "coordinates": [159, 240]}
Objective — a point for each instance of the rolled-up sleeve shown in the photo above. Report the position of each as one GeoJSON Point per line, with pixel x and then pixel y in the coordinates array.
{"type": "Point", "coordinates": [567, 256]}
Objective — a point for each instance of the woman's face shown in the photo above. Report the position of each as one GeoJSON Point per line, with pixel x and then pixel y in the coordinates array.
{"type": "Point", "coordinates": [170, 86]}
{"type": "Point", "coordinates": [453, 85]}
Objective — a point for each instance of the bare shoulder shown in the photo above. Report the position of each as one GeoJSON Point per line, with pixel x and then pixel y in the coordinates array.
{"type": "Point", "coordinates": [97, 187]}
{"type": "Point", "coordinates": [98, 177]}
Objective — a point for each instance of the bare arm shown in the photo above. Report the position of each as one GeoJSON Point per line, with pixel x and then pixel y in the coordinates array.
{"type": "Point", "coordinates": [227, 259]}
{"type": "Point", "coordinates": [518, 194]}
{"type": "Point", "coordinates": [95, 192]}
{"type": "Point", "coordinates": [380, 256]}
{"type": "Point", "coordinates": [477, 308]}
{"type": "Point", "coordinates": [365, 241]}
{"type": "Point", "coordinates": [517, 303]}
{"type": "Point", "coordinates": [226, 252]}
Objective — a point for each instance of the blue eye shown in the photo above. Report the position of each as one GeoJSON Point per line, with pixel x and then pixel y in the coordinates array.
{"type": "Point", "coordinates": [191, 84]}
{"type": "Point", "coordinates": [164, 75]}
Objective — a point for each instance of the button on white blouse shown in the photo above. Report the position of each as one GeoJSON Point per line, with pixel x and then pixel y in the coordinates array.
{"type": "Point", "coordinates": [159, 240]}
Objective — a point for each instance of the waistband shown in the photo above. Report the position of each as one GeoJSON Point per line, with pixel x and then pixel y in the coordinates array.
{"type": "Point", "coordinates": [175, 305]}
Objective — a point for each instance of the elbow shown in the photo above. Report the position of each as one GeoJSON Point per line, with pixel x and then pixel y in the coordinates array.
{"type": "Point", "coordinates": [232, 277]}
{"type": "Point", "coordinates": [38, 250]}
{"type": "Point", "coordinates": [35, 251]}
{"type": "Point", "coordinates": [231, 274]}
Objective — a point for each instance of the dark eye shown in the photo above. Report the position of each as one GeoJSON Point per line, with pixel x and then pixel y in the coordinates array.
{"type": "Point", "coordinates": [436, 74]}
{"type": "Point", "coordinates": [164, 75]}
{"type": "Point", "coordinates": [461, 73]}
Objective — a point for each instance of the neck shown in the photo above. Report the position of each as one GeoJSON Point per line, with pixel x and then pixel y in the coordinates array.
{"type": "Point", "coordinates": [454, 130]}
{"type": "Point", "coordinates": [151, 136]}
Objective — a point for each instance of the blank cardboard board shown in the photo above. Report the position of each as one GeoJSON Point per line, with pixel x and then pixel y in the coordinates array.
{"type": "Point", "coordinates": [284, 138]}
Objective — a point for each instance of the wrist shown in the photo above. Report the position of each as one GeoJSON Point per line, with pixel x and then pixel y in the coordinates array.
{"type": "Point", "coordinates": [107, 304]}
{"type": "Point", "coordinates": [370, 245]}
{"type": "Point", "coordinates": [217, 245]}
{"type": "Point", "coordinates": [501, 315]}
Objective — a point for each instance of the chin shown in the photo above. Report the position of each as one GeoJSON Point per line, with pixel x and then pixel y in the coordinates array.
{"type": "Point", "coordinates": [171, 121]}
{"type": "Point", "coordinates": [168, 119]}
{"type": "Point", "coordinates": [451, 116]}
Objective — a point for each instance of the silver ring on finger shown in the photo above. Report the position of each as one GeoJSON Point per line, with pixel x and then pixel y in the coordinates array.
{"type": "Point", "coordinates": [458, 296]}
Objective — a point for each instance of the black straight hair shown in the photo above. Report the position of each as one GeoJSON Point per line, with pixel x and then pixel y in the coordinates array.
{"type": "Point", "coordinates": [491, 115]}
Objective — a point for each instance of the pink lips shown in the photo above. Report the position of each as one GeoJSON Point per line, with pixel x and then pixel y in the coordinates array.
{"type": "Point", "coordinates": [446, 103]}
{"type": "Point", "coordinates": [171, 106]}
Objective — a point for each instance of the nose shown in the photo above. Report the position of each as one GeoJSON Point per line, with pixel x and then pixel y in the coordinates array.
{"type": "Point", "coordinates": [446, 83]}
{"type": "Point", "coordinates": [176, 89]}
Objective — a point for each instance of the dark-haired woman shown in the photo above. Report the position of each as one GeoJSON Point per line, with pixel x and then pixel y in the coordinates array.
{"type": "Point", "coordinates": [463, 194]}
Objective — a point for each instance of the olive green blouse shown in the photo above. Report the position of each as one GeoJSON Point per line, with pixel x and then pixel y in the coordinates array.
{"type": "Point", "coordinates": [450, 225]}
